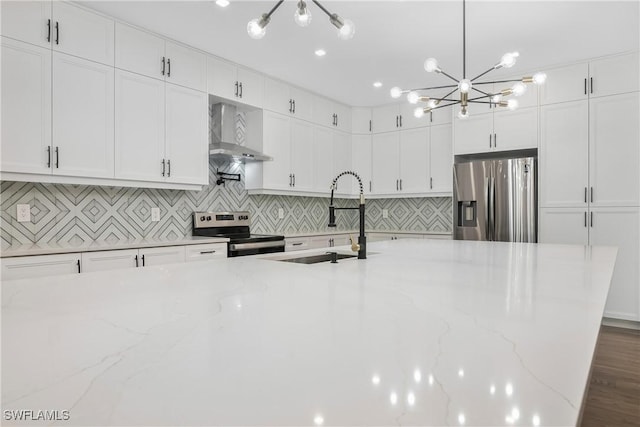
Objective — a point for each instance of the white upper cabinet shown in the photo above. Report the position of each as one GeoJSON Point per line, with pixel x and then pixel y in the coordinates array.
{"type": "Point", "coordinates": [331, 114]}
{"type": "Point", "coordinates": [614, 150]}
{"type": "Point", "coordinates": [83, 117]}
{"type": "Point", "coordinates": [385, 118]}
{"type": "Point", "coordinates": [564, 154]}
{"type": "Point", "coordinates": [28, 21]}
{"type": "Point", "coordinates": [440, 159]}
{"type": "Point", "coordinates": [323, 155]}
{"type": "Point", "coordinates": [186, 67]}
{"type": "Point", "coordinates": [144, 53]}
{"type": "Point", "coordinates": [26, 107]}
{"type": "Point", "coordinates": [473, 134]}
{"type": "Point", "coordinates": [139, 127]}
{"type": "Point", "coordinates": [408, 120]}
{"type": "Point", "coordinates": [602, 77]}
{"type": "Point", "coordinates": [361, 161]}
{"type": "Point", "coordinates": [82, 33]}
{"type": "Point", "coordinates": [285, 99]}
{"type": "Point", "coordinates": [226, 80]}
{"type": "Point", "coordinates": [441, 116]}
{"type": "Point", "coordinates": [140, 52]}
{"type": "Point", "coordinates": [414, 158]}
{"type": "Point", "coordinates": [361, 120]}
{"type": "Point", "coordinates": [302, 161]}
{"type": "Point", "coordinates": [385, 161]}
{"type": "Point", "coordinates": [342, 162]}
{"type": "Point", "coordinates": [274, 138]}
{"type": "Point", "coordinates": [186, 145]}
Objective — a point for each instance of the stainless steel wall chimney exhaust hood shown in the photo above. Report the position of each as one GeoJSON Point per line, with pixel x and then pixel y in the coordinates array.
{"type": "Point", "coordinates": [223, 141]}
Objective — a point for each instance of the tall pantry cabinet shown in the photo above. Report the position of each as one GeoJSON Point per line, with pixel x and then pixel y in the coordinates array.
{"type": "Point", "coordinates": [589, 167]}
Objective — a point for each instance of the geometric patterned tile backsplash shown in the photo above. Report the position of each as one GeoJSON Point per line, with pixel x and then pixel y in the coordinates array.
{"type": "Point", "coordinates": [78, 213]}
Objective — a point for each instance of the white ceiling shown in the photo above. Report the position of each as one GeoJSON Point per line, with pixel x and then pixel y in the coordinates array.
{"type": "Point", "coordinates": [393, 38]}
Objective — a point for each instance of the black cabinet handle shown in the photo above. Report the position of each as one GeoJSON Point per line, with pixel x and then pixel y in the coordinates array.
{"type": "Point", "coordinates": [369, 125]}
{"type": "Point", "coordinates": [297, 244]}
{"type": "Point", "coordinates": [336, 120]}
{"type": "Point", "coordinates": [369, 186]}
{"type": "Point", "coordinates": [591, 219]}
{"type": "Point", "coordinates": [57, 158]}
{"type": "Point", "coordinates": [585, 86]}
{"type": "Point", "coordinates": [136, 258]}
{"type": "Point", "coordinates": [163, 65]}
{"type": "Point", "coordinates": [495, 140]}
{"type": "Point", "coordinates": [207, 252]}
{"type": "Point", "coordinates": [291, 105]}
{"type": "Point", "coordinates": [585, 194]}
{"type": "Point", "coordinates": [401, 185]}
{"type": "Point", "coordinates": [397, 188]}
{"type": "Point", "coordinates": [585, 219]}
{"type": "Point", "coordinates": [294, 106]}
{"type": "Point", "coordinates": [431, 183]}
{"type": "Point", "coordinates": [489, 140]}
{"type": "Point", "coordinates": [397, 121]}
{"type": "Point", "coordinates": [143, 260]}
{"type": "Point", "coordinates": [240, 89]}
{"type": "Point", "coordinates": [163, 167]}
{"type": "Point", "coordinates": [49, 157]}
{"type": "Point", "coordinates": [49, 30]}
{"type": "Point", "coordinates": [57, 33]}
{"type": "Point", "coordinates": [168, 168]}
{"type": "Point", "coordinates": [431, 116]}
{"type": "Point", "coordinates": [78, 264]}
{"type": "Point", "coordinates": [236, 94]}
{"type": "Point", "coordinates": [168, 67]}
{"type": "Point", "coordinates": [400, 120]}
{"type": "Point", "coordinates": [591, 194]}
{"type": "Point", "coordinates": [294, 179]}
{"type": "Point", "coordinates": [591, 84]}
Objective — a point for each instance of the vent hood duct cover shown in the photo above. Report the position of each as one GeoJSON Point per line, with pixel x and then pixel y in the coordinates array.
{"type": "Point", "coordinates": [223, 139]}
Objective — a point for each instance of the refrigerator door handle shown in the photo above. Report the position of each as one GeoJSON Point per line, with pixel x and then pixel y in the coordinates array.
{"type": "Point", "coordinates": [492, 208]}
{"type": "Point", "coordinates": [487, 202]}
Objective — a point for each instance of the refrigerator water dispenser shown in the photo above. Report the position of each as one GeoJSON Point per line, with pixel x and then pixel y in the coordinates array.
{"type": "Point", "coordinates": [467, 214]}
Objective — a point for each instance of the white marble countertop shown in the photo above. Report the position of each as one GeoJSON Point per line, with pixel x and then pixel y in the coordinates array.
{"type": "Point", "coordinates": [62, 248]}
{"type": "Point", "coordinates": [423, 332]}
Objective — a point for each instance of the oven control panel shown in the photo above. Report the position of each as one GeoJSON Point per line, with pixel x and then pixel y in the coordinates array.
{"type": "Point", "coordinates": [221, 219]}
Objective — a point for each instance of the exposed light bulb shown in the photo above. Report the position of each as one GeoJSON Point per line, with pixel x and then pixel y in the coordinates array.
{"type": "Point", "coordinates": [432, 103]}
{"type": "Point", "coordinates": [519, 89]}
{"type": "Point", "coordinates": [512, 104]}
{"type": "Point", "coordinates": [302, 15]}
{"type": "Point", "coordinates": [396, 92]}
{"type": "Point", "coordinates": [465, 85]}
{"type": "Point", "coordinates": [222, 3]}
{"type": "Point", "coordinates": [347, 30]}
{"type": "Point", "coordinates": [496, 98]}
{"type": "Point", "coordinates": [431, 65]}
{"type": "Point", "coordinates": [508, 59]}
{"type": "Point", "coordinates": [463, 113]}
{"type": "Point", "coordinates": [539, 78]}
{"type": "Point", "coordinates": [255, 28]}
{"type": "Point", "coordinates": [413, 97]}
{"type": "Point", "coordinates": [418, 112]}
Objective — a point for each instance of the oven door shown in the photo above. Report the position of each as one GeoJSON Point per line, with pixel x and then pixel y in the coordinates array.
{"type": "Point", "coordinates": [254, 248]}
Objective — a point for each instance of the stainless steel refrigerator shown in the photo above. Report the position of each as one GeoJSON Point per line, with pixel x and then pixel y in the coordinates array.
{"type": "Point", "coordinates": [495, 199]}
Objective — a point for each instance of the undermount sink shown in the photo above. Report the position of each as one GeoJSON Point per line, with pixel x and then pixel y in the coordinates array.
{"type": "Point", "coordinates": [314, 259]}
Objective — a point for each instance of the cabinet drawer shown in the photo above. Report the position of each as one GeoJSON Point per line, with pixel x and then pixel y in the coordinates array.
{"type": "Point", "coordinates": [205, 251]}
{"type": "Point", "coordinates": [39, 266]}
{"type": "Point", "coordinates": [296, 244]}
{"type": "Point", "coordinates": [109, 260]}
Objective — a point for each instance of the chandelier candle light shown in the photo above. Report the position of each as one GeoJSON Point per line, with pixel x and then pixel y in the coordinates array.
{"type": "Point", "coordinates": [256, 27]}
{"type": "Point", "coordinates": [465, 86]}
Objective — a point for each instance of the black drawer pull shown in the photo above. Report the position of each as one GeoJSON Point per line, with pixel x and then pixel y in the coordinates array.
{"type": "Point", "coordinates": [207, 252]}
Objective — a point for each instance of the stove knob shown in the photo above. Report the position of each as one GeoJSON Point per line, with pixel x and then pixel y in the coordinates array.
{"type": "Point", "coordinates": [208, 218]}
{"type": "Point", "coordinates": [201, 218]}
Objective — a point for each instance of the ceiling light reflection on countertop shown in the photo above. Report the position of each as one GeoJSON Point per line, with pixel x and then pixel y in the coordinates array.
{"type": "Point", "coordinates": [375, 379]}
{"type": "Point", "coordinates": [377, 84]}
{"type": "Point", "coordinates": [318, 420]}
{"type": "Point", "coordinates": [417, 375]}
{"type": "Point", "coordinates": [222, 3]}
{"type": "Point", "coordinates": [320, 52]}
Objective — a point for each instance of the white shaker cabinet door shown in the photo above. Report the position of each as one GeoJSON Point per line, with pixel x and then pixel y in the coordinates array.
{"type": "Point", "coordinates": [222, 78]}
{"type": "Point", "coordinates": [109, 260]}
{"type": "Point", "coordinates": [139, 51]}
{"type": "Point", "coordinates": [82, 33]}
{"type": "Point", "coordinates": [186, 132]}
{"type": "Point", "coordinates": [28, 21]}
{"type": "Point", "coordinates": [564, 149]}
{"type": "Point", "coordinates": [277, 97]}
{"type": "Point", "coordinates": [161, 256]}
{"type": "Point", "coordinates": [361, 120]}
{"type": "Point", "coordinates": [251, 87]}
{"type": "Point", "coordinates": [568, 226]}
{"type": "Point", "coordinates": [186, 67]}
{"type": "Point", "coordinates": [26, 107]}
{"type": "Point", "coordinates": [614, 172]}
{"type": "Point", "coordinates": [361, 161]}
{"type": "Point", "coordinates": [565, 84]}
{"type": "Point", "coordinates": [385, 118]}
{"type": "Point", "coordinates": [302, 160]}
{"type": "Point", "coordinates": [277, 173]}
{"type": "Point", "coordinates": [302, 104]}
{"type": "Point", "coordinates": [620, 227]}
{"type": "Point", "coordinates": [473, 134]}
{"type": "Point", "coordinates": [414, 161]}
{"type": "Point", "coordinates": [614, 75]}
{"type": "Point", "coordinates": [39, 266]}
{"type": "Point", "coordinates": [515, 130]}
{"type": "Point", "coordinates": [139, 127]}
{"type": "Point", "coordinates": [342, 163]}
{"type": "Point", "coordinates": [323, 158]}
{"type": "Point", "coordinates": [83, 117]}
{"type": "Point", "coordinates": [385, 163]}
{"type": "Point", "coordinates": [441, 159]}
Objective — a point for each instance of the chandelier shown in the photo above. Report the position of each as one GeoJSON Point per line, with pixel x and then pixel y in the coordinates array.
{"type": "Point", "coordinates": [470, 89]}
{"type": "Point", "coordinates": [346, 29]}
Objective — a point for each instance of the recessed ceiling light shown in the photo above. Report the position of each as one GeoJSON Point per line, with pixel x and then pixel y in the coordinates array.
{"type": "Point", "coordinates": [377, 84]}
{"type": "Point", "coordinates": [321, 52]}
{"type": "Point", "coordinates": [222, 3]}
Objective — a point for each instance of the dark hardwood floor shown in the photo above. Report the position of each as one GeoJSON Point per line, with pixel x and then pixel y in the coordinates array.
{"type": "Point", "coordinates": [613, 399]}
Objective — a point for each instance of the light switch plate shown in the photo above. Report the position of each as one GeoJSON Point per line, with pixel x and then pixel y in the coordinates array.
{"type": "Point", "coordinates": [385, 213]}
{"type": "Point", "coordinates": [155, 214]}
{"type": "Point", "coordinates": [24, 213]}
{"type": "Point", "coordinates": [280, 213]}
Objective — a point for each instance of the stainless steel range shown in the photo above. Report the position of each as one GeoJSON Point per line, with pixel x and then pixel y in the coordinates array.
{"type": "Point", "coordinates": [236, 227]}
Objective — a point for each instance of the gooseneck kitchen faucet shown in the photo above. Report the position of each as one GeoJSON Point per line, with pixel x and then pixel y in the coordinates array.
{"type": "Point", "coordinates": [361, 247]}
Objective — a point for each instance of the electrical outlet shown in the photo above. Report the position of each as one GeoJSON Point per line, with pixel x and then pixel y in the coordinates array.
{"type": "Point", "coordinates": [280, 213]}
{"type": "Point", "coordinates": [24, 213]}
{"type": "Point", "coordinates": [385, 213]}
{"type": "Point", "coordinates": [155, 214]}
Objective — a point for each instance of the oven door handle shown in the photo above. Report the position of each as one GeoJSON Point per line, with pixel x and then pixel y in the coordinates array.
{"type": "Point", "coordinates": [255, 245]}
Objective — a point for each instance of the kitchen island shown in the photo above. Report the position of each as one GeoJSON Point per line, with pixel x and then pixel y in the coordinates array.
{"type": "Point", "coordinates": [423, 332]}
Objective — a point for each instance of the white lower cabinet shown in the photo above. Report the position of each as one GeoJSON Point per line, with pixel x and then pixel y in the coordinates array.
{"type": "Point", "coordinates": [378, 237]}
{"type": "Point", "coordinates": [296, 243]}
{"type": "Point", "coordinates": [109, 260]}
{"type": "Point", "coordinates": [619, 227]}
{"type": "Point", "coordinates": [161, 256]}
{"type": "Point", "coordinates": [316, 242]}
{"type": "Point", "coordinates": [40, 266]}
{"type": "Point", "coordinates": [205, 252]}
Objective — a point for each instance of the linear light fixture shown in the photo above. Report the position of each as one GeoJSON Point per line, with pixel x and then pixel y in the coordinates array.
{"type": "Point", "coordinates": [257, 27]}
{"type": "Point", "coordinates": [465, 86]}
